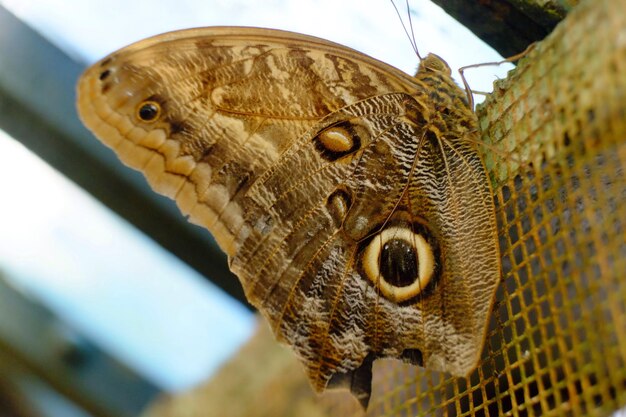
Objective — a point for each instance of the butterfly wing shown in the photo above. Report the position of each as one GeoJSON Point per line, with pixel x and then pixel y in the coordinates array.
{"type": "Point", "coordinates": [350, 201]}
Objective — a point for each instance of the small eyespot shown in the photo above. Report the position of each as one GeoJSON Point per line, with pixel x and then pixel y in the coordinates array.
{"type": "Point", "coordinates": [104, 74]}
{"type": "Point", "coordinates": [148, 111]}
{"type": "Point", "coordinates": [339, 140]}
{"type": "Point", "coordinates": [338, 204]}
{"type": "Point", "coordinates": [336, 139]}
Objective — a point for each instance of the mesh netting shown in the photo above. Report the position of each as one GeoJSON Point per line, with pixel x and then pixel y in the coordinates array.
{"type": "Point", "coordinates": [557, 338]}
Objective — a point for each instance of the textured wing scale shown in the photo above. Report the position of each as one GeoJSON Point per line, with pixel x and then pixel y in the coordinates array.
{"type": "Point", "coordinates": [237, 145]}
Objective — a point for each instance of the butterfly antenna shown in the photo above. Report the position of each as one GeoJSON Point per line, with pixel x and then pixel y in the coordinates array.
{"type": "Point", "coordinates": [411, 38]}
{"type": "Point", "coordinates": [414, 42]}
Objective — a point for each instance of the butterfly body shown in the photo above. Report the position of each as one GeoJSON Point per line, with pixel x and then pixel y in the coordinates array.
{"type": "Point", "coordinates": [348, 195]}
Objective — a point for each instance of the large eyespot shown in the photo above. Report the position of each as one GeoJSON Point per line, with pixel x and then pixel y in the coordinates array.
{"type": "Point", "coordinates": [399, 262]}
{"type": "Point", "coordinates": [148, 111]}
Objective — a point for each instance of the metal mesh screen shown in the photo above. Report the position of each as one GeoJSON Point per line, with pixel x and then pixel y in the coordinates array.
{"type": "Point", "coordinates": [556, 150]}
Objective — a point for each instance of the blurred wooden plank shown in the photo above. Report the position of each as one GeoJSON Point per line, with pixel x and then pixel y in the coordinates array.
{"type": "Point", "coordinates": [263, 379]}
{"type": "Point", "coordinates": [509, 26]}
{"type": "Point", "coordinates": [38, 351]}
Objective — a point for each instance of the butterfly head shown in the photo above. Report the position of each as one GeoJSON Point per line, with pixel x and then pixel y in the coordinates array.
{"type": "Point", "coordinates": [434, 63]}
{"type": "Point", "coordinates": [436, 73]}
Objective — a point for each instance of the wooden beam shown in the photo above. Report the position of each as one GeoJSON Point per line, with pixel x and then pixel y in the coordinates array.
{"type": "Point", "coordinates": [509, 26]}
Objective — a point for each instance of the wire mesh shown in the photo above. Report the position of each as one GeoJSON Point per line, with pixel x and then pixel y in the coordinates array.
{"type": "Point", "coordinates": [555, 134]}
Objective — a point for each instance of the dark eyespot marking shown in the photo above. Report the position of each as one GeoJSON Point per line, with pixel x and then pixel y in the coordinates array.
{"type": "Point", "coordinates": [398, 263]}
{"type": "Point", "coordinates": [148, 111]}
{"type": "Point", "coordinates": [104, 74]}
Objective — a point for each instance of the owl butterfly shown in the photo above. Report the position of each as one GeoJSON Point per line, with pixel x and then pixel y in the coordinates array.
{"type": "Point", "coordinates": [348, 196]}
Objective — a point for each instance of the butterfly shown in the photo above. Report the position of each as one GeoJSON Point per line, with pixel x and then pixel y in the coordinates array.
{"type": "Point", "coordinates": [349, 196]}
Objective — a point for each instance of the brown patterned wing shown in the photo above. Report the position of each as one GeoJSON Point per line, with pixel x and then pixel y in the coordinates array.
{"type": "Point", "coordinates": [348, 196]}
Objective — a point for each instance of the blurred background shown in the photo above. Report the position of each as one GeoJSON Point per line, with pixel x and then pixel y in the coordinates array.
{"type": "Point", "coordinates": [107, 296]}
